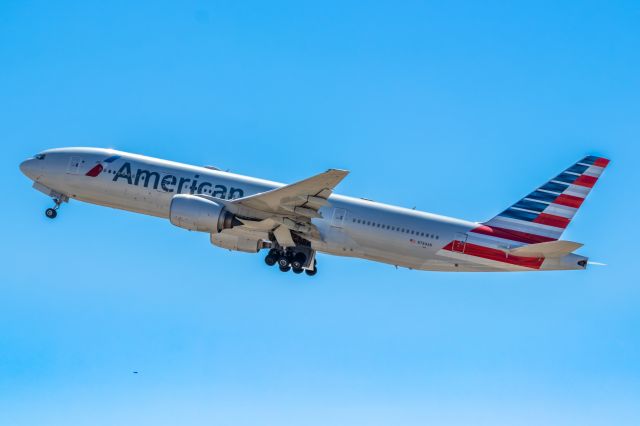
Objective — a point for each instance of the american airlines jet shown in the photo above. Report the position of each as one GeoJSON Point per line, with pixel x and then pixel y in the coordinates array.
{"type": "Point", "coordinates": [293, 222]}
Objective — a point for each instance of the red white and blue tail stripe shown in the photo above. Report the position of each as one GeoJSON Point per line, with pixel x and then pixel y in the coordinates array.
{"type": "Point", "coordinates": [544, 214]}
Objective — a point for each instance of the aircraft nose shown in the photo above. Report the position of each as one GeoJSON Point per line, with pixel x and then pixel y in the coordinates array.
{"type": "Point", "coordinates": [28, 168]}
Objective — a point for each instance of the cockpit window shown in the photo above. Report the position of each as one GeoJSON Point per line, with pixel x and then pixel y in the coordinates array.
{"type": "Point", "coordinates": [39, 156]}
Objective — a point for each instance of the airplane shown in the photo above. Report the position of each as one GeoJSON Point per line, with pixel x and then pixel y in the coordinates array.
{"type": "Point", "coordinates": [294, 222]}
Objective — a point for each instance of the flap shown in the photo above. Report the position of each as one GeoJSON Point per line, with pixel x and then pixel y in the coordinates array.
{"type": "Point", "coordinates": [283, 235]}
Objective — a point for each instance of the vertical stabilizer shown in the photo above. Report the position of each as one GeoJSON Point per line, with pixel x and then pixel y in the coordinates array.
{"type": "Point", "coordinates": [544, 214]}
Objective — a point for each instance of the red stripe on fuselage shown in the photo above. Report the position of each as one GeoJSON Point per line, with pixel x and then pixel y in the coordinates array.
{"type": "Point", "coordinates": [494, 254]}
{"type": "Point", "coordinates": [510, 234]}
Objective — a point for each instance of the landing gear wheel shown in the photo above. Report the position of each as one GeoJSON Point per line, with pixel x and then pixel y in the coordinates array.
{"type": "Point", "coordinates": [298, 261]}
{"type": "Point", "coordinates": [311, 272]}
{"type": "Point", "coordinates": [285, 268]}
{"type": "Point", "coordinates": [283, 262]}
{"type": "Point", "coordinates": [297, 270]}
{"type": "Point", "coordinates": [270, 259]}
{"type": "Point", "coordinates": [51, 213]}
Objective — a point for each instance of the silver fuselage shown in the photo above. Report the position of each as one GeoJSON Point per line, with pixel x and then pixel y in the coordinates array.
{"type": "Point", "coordinates": [349, 226]}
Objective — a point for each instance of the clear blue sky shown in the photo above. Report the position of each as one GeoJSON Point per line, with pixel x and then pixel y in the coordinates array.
{"type": "Point", "coordinates": [458, 108]}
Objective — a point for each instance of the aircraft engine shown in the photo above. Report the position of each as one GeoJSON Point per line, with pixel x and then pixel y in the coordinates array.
{"type": "Point", "coordinates": [200, 214]}
{"type": "Point", "coordinates": [236, 243]}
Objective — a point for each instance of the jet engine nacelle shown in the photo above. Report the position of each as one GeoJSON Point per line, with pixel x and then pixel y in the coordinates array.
{"type": "Point", "coordinates": [199, 214]}
{"type": "Point", "coordinates": [236, 243]}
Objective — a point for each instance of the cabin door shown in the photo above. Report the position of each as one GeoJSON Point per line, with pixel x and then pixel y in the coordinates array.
{"type": "Point", "coordinates": [74, 165]}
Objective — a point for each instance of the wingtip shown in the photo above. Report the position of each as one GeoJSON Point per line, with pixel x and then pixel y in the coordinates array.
{"type": "Point", "coordinates": [340, 171]}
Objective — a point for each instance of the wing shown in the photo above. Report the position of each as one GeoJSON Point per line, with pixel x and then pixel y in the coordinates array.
{"type": "Point", "coordinates": [311, 193]}
{"type": "Point", "coordinates": [288, 208]}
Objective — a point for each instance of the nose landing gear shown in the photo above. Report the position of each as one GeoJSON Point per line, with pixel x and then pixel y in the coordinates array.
{"type": "Point", "coordinates": [52, 212]}
{"type": "Point", "coordinates": [58, 198]}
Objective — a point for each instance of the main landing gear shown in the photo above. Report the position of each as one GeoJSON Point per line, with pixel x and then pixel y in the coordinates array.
{"type": "Point", "coordinates": [289, 260]}
{"type": "Point", "coordinates": [52, 212]}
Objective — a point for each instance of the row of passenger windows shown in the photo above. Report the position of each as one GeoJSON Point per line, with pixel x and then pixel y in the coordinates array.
{"type": "Point", "coordinates": [395, 228]}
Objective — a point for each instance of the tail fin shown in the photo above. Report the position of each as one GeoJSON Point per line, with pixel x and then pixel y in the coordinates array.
{"type": "Point", "coordinates": [544, 214]}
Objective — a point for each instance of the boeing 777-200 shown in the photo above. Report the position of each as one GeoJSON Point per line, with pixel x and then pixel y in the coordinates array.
{"type": "Point", "coordinates": [293, 222]}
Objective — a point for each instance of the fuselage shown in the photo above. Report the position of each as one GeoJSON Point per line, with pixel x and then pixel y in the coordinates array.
{"type": "Point", "coordinates": [348, 226]}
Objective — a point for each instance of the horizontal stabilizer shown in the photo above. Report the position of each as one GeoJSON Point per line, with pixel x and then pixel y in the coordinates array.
{"type": "Point", "coordinates": [548, 249]}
